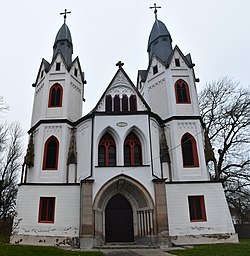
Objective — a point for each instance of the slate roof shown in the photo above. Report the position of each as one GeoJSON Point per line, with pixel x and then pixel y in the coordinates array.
{"type": "Point", "coordinates": [160, 41]}
{"type": "Point", "coordinates": [63, 42]}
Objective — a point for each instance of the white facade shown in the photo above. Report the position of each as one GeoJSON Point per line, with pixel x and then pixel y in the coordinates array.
{"type": "Point", "coordinates": [139, 154]}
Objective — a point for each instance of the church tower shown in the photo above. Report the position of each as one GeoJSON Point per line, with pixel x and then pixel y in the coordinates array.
{"type": "Point", "coordinates": [59, 93]}
{"type": "Point", "coordinates": [49, 184]}
{"type": "Point", "coordinates": [168, 86]}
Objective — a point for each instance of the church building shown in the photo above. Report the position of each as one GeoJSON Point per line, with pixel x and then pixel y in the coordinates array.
{"type": "Point", "coordinates": [133, 170]}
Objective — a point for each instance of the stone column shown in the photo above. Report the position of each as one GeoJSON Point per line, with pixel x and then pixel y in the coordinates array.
{"type": "Point", "coordinates": [162, 230]}
{"type": "Point", "coordinates": [86, 213]}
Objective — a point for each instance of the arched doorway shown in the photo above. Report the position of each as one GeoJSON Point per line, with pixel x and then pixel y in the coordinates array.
{"type": "Point", "coordinates": [119, 220]}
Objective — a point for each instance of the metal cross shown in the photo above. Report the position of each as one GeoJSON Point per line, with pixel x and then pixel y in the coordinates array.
{"type": "Point", "coordinates": [155, 11]}
{"type": "Point", "coordinates": [65, 14]}
{"type": "Point", "coordinates": [119, 64]}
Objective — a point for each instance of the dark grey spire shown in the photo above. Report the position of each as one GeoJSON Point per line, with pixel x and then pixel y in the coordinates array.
{"type": "Point", "coordinates": [63, 42]}
{"type": "Point", "coordinates": [159, 42]}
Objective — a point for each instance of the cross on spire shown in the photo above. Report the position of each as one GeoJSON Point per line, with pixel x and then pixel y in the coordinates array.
{"type": "Point", "coordinates": [119, 64]}
{"type": "Point", "coordinates": [155, 11]}
{"type": "Point", "coordinates": [65, 14]}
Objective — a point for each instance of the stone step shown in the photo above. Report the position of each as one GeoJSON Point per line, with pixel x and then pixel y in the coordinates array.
{"type": "Point", "coordinates": [125, 246]}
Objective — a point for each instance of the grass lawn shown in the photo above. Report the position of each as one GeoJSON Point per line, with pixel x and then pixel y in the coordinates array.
{"type": "Point", "coordinates": [240, 249]}
{"type": "Point", "coordinates": [23, 250]}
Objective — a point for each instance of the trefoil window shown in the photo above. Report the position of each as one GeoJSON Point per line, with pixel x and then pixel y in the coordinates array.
{"type": "Point", "coordinates": [107, 151]}
{"type": "Point", "coordinates": [132, 151]}
{"type": "Point", "coordinates": [182, 92]}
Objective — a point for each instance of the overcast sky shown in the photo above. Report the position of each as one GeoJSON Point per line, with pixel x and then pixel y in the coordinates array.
{"type": "Point", "coordinates": [215, 32]}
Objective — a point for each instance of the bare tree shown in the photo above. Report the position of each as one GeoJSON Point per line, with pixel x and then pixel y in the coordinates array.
{"type": "Point", "coordinates": [3, 106]}
{"type": "Point", "coordinates": [225, 110]}
{"type": "Point", "coordinates": [10, 165]}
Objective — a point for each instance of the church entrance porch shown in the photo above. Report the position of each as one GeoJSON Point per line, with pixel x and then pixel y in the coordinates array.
{"type": "Point", "coordinates": [123, 213]}
{"type": "Point", "coordinates": [119, 220]}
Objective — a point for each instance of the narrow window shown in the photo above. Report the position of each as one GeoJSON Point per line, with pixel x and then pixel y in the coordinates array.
{"type": "Point", "coordinates": [58, 66]}
{"type": "Point", "coordinates": [108, 103]}
{"type": "Point", "coordinates": [124, 103]}
{"type": "Point", "coordinates": [117, 104]}
{"type": "Point", "coordinates": [182, 92]}
{"type": "Point", "coordinates": [132, 151]}
{"type": "Point", "coordinates": [46, 209]}
{"type": "Point", "coordinates": [197, 210]}
{"type": "Point", "coordinates": [107, 151]}
{"type": "Point", "coordinates": [155, 69]}
{"type": "Point", "coordinates": [50, 157]}
{"type": "Point", "coordinates": [132, 103]}
{"type": "Point", "coordinates": [177, 63]}
{"type": "Point", "coordinates": [189, 151]}
{"type": "Point", "coordinates": [55, 96]}
{"type": "Point", "coordinates": [75, 72]}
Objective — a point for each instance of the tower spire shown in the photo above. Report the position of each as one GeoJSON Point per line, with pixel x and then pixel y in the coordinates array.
{"type": "Point", "coordinates": [155, 11]}
{"type": "Point", "coordinates": [65, 14]}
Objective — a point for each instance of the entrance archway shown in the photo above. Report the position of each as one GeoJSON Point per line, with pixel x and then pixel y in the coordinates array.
{"type": "Point", "coordinates": [119, 220]}
{"type": "Point", "coordinates": [140, 204]}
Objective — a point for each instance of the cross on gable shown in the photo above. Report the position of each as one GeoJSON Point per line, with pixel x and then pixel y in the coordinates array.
{"type": "Point", "coordinates": [65, 14]}
{"type": "Point", "coordinates": [119, 64]}
{"type": "Point", "coordinates": [155, 11]}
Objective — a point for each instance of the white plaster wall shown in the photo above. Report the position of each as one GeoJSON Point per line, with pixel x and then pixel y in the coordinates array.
{"type": "Point", "coordinates": [159, 89]}
{"type": "Point", "coordinates": [141, 174]}
{"type": "Point", "coordinates": [138, 123]}
{"type": "Point", "coordinates": [74, 99]}
{"type": "Point", "coordinates": [155, 140]}
{"type": "Point", "coordinates": [67, 210]}
{"type": "Point", "coordinates": [174, 132]}
{"type": "Point", "coordinates": [217, 212]}
{"type": "Point", "coordinates": [72, 95]}
{"type": "Point", "coordinates": [83, 143]}
{"type": "Point", "coordinates": [36, 174]}
{"type": "Point", "coordinates": [37, 102]}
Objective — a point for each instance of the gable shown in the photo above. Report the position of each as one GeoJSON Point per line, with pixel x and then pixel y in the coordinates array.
{"type": "Point", "coordinates": [178, 60]}
{"type": "Point", "coordinates": [121, 85]}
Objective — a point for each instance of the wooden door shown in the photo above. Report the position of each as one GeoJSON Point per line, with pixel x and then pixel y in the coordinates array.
{"type": "Point", "coordinates": [119, 220]}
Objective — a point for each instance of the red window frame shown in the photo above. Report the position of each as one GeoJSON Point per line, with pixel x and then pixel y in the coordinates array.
{"type": "Point", "coordinates": [189, 151]}
{"type": "Point", "coordinates": [182, 92]}
{"type": "Point", "coordinates": [46, 210]}
{"type": "Point", "coordinates": [107, 151]}
{"type": "Point", "coordinates": [47, 153]}
{"type": "Point", "coordinates": [131, 145]}
{"type": "Point", "coordinates": [197, 210]}
{"type": "Point", "coordinates": [53, 101]}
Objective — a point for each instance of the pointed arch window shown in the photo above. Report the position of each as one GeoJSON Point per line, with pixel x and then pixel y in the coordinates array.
{"type": "Point", "coordinates": [189, 151]}
{"type": "Point", "coordinates": [132, 151]}
{"type": "Point", "coordinates": [182, 92]}
{"type": "Point", "coordinates": [55, 96]}
{"type": "Point", "coordinates": [125, 103]}
{"type": "Point", "coordinates": [132, 102]}
{"type": "Point", "coordinates": [107, 151]}
{"type": "Point", "coordinates": [50, 156]}
{"type": "Point", "coordinates": [117, 104]}
{"type": "Point", "coordinates": [108, 103]}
